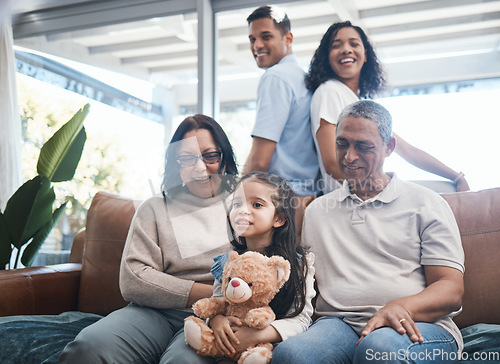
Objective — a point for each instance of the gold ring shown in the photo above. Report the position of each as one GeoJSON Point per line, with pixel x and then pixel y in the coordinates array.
{"type": "Point", "coordinates": [402, 321]}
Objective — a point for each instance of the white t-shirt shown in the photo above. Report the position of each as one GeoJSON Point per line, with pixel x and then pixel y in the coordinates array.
{"type": "Point", "coordinates": [328, 101]}
{"type": "Point", "coordinates": [369, 253]}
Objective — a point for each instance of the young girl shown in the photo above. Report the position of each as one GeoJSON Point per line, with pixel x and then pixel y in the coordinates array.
{"type": "Point", "coordinates": [262, 219]}
{"type": "Point", "coordinates": [344, 69]}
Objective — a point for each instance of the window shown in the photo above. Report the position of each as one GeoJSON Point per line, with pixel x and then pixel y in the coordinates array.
{"type": "Point", "coordinates": [458, 128]}
{"type": "Point", "coordinates": [123, 154]}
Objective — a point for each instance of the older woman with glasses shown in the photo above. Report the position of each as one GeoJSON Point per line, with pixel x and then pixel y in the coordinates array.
{"type": "Point", "coordinates": [168, 254]}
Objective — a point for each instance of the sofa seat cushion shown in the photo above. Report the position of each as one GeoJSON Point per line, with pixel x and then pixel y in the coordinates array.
{"type": "Point", "coordinates": [481, 343]}
{"type": "Point", "coordinates": [39, 338]}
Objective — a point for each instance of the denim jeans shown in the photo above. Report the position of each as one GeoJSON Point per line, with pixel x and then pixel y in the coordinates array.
{"type": "Point", "coordinates": [331, 340]}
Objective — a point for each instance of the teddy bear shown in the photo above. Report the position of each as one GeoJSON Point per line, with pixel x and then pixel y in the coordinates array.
{"type": "Point", "coordinates": [249, 282]}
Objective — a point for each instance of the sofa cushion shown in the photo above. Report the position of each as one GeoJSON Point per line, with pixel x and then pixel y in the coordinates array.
{"type": "Point", "coordinates": [108, 222]}
{"type": "Point", "coordinates": [76, 254]}
{"type": "Point", "coordinates": [477, 215]}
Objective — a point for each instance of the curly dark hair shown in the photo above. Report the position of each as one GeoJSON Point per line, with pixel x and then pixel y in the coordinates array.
{"type": "Point", "coordinates": [372, 78]}
{"type": "Point", "coordinates": [284, 243]}
{"type": "Point", "coordinates": [172, 183]}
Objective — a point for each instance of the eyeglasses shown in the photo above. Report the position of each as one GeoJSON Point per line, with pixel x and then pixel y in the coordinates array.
{"type": "Point", "coordinates": [190, 160]}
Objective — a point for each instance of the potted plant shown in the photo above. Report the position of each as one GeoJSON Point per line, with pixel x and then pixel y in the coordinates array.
{"type": "Point", "coordinates": [29, 217]}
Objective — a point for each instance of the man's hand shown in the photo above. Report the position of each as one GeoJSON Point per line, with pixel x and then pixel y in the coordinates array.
{"type": "Point", "coordinates": [443, 295]}
{"type": "Point", "coordinates": [395, 316]}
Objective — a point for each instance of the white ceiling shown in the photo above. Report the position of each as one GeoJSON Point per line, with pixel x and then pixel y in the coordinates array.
{"type": "Point", "coordinates": [420, 42]}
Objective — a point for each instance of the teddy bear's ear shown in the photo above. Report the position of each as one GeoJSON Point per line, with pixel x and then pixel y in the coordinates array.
{"type": "Point", "coordinates": [282, 269]}
{"type": "Point", "coordinates": [233, 255]}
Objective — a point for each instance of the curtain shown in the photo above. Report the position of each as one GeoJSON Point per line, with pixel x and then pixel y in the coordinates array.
{"type": "Point", "coordinates": [10, 122]}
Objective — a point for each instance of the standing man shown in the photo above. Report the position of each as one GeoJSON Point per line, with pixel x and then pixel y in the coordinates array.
{"type": "Point", "coordinates": [389, 260]}
{"type": "Point", "coordinates": [282, 140]}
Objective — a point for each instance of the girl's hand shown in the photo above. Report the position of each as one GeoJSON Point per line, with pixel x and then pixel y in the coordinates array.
{"type": "Point", "coordinates": [247, 337]}
{"type": "Point", "coordinates": [224, 335]}
{"type": "Point", "coordinates": [395, 316]}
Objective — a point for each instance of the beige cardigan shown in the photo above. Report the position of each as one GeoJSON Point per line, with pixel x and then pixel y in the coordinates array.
{"type": "Point", "coordinates": [170, 246]}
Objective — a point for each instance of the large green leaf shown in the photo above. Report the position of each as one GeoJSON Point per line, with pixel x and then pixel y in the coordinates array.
{"type": "Point", "coordinates": [39, 238]}
{"type": "Point", "coordinates": [5, 243]}
{"type": "Point", "coordinates": [67, 167]}
{"type": "Point", "coordinates": [54, 151]}
{"type": "Point", "coordinates": [29, 208]}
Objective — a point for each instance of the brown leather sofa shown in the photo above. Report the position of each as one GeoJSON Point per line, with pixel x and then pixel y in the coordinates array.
{"type": "Point", "coordinates": [90, 282]}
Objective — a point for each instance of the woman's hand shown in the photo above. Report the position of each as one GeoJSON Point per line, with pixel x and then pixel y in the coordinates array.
{"type": "Point", "coordinates": [225, 338]}
{"type": "Point", "coordinates": [427, 162]}
{"type": "Point", "coordinates": [462, 185]}
{"type": "Point", "coordinates": [199, 291]}
{"type": "Point", "coordinates": [396, 316]}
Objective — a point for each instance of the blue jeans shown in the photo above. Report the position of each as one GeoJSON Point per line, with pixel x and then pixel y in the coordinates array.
{"type": "Point", "coordinates": [331, 340]}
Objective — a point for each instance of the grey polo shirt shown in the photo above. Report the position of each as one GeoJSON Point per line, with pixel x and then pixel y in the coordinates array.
{"type": "Point", "coordinates": [369, 253]}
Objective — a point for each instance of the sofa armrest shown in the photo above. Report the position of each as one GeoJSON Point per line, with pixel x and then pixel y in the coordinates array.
{"type": "Point", "coordinates": [76, 254]}
{"type": "Point", "coordinates": [48, 290]}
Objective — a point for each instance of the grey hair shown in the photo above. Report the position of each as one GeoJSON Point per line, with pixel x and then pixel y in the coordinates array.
{"type": "Point", "coordinates": [372, 111]}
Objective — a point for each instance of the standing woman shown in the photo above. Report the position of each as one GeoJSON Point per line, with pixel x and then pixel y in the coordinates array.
{"type": "Point", "coordinates": [344, 69]}
{"type": "Point", "coordinates": [168, 254]}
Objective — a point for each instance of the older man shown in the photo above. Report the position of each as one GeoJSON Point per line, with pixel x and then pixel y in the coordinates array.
{"type": "Point", "coordinates": [389, 263]}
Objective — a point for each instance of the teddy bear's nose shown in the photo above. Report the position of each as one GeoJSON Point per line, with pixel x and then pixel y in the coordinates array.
{"type": "Point", "coordinates": [235, 283]}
